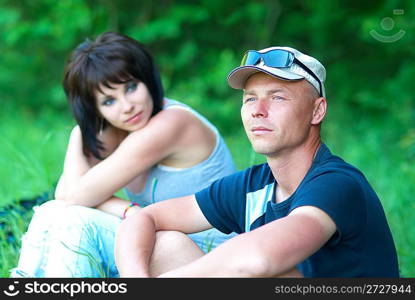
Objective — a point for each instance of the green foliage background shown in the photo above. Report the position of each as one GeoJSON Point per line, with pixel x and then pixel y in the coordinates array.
{"type": "Point", "coordinates": [371, 114]}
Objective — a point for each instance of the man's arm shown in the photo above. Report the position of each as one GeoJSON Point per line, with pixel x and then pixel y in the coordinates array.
{"type": "Point", "coordinates": [136, 234]}
{"type": "Point", "coordinates": [268, 251]}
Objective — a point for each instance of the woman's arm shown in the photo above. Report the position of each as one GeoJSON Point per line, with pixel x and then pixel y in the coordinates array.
{"type": "Point", "coordinates": [139, 151]}
{"type": "Point", "coordinates": [117, 206]}
{"type": "Point", "coordinates": [60, 189]}
{"type": "Point", "coordinates": [76, 164]}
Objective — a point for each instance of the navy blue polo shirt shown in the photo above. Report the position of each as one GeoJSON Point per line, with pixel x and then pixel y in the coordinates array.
{"type": "Point", "coordinates": [362, 245]}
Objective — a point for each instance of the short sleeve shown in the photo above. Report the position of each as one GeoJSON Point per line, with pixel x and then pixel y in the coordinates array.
{"type": "Point", "coordinates": [340, 196]}
{"type": "Point", "coordinates": [223, 203]}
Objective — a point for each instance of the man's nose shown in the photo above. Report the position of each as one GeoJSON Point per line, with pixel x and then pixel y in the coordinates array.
{"type": "Point", "coordinates": [260, 109]}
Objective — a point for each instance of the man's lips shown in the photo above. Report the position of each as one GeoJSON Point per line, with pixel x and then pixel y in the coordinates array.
{"type": "Point", "coordinates": [260, 129]}
{"type": "Point", "coordinates": [134, 118]}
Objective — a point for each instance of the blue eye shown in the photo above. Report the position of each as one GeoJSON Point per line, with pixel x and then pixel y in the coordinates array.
{"type": "Point", "coordinates": [131, 87]}
{"type": "Point", "coordinates": [108, 102]}
{"type": "Point", "coordinates": [251, 99]}
{"type": "Point", "coordinates": [278, 98]}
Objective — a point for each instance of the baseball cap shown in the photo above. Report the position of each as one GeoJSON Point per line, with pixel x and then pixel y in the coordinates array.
{"type": "Point", "coordinates": [281, 62]}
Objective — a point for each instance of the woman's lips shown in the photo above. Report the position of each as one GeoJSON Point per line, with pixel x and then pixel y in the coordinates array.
{"type": "Point", "coordinates": [134, 118]}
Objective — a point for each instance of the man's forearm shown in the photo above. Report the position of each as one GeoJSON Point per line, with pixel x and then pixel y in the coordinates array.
{"type": "Point", "coordinates": [233, 258]}
{"type": "Point", "coordinates": [237, 257]}
{"type": "Point", "coordinates": [134, 246]}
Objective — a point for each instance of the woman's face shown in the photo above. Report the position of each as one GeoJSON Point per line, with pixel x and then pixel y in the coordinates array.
{"type": "Point", "coordinates": [127, 106]}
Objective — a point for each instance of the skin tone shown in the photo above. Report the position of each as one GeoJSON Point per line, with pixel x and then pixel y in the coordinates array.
{"type": "Point", "coordinates": [135, 142]}
{"type": "Point", "coordinates": [282, 120]}
{"type": "Point", "coordinates": [283, 125]}
{"type": "Point", "coordinates": [127, 107]}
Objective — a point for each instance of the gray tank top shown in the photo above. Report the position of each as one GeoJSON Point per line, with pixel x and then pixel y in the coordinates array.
{"type": "Point", "coordinates": [165, 182]}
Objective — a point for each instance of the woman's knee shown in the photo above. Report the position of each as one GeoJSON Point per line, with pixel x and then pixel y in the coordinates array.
{"type": "Point", "coordinates": [46, 214]}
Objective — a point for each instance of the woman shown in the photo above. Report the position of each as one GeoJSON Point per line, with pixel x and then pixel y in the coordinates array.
{"type": "Point", "coordinates": [128, 136]}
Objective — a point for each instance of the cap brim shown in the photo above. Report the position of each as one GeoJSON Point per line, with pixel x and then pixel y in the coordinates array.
{"type": "Point", "coordinates": [238, 76]}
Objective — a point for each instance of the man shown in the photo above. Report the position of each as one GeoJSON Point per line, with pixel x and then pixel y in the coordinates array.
{"type": "Point", "coordinates": [304, 210]}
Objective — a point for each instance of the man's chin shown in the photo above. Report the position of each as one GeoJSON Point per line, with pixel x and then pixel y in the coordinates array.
{"type": "Point", "coordinates": [262, 151]}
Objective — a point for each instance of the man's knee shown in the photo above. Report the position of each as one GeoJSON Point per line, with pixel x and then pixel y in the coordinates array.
{"type": "Point", "coordinates": [172, 249]}
{"type": "Point", "coordinates": [175, 242]}
{"type": "Point", "coordinates": [172, 239]}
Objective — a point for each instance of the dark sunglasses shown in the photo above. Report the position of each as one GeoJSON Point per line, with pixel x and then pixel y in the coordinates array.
{"type": "Point", "coordinates": [277, 58]}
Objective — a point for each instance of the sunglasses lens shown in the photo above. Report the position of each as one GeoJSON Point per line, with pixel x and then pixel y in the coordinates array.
{"type": "Point", "coordinates": [274, 58]}
{"type": "Point", "coordinates": [250, 58]}
{"type": "Point", "coordinates": [278, 58]}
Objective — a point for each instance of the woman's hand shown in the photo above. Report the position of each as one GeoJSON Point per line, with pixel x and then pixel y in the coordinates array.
{"type": "Point", "coordinates": [110, 139]}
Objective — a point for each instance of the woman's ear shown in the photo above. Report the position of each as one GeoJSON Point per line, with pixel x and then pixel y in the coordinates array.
{"type": "Point", "coordinates": [319, 111]}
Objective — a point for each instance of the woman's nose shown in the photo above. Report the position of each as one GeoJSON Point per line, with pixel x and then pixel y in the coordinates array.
{"type": "Point", "coordinates": [127, 106]}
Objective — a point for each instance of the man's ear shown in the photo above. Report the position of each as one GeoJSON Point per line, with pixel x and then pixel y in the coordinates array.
{"type": "Point", "coordinates": [319, 111]}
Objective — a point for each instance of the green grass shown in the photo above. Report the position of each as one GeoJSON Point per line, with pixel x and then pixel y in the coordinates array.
{"type": "Point", "coordinates": [32, 152]}
{"type": "Point", "coordinates": [31, 155]}
{"type": "Point", "coordinates": [33, 148]}
{"type": "Point", "coordinates": [9, 247]}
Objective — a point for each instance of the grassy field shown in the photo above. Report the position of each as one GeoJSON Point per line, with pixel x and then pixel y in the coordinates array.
{"type": "Point", "coordinates": [31, 156]}
{"type": "Point", "coordinates": [33, 147]}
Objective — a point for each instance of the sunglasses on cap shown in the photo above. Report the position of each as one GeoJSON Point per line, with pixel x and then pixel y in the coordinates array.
{"type": "Point", "coordinates": [277, 58]}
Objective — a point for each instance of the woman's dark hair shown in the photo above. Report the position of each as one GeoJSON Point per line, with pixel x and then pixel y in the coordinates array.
{"type": "Point", "coordinates": [110, 58]}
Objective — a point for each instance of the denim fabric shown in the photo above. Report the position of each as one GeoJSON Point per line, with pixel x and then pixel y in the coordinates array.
{"type": "Point", "coordinates": [76, 241]}
{"type": "Point", "coordinates": [72, 241]}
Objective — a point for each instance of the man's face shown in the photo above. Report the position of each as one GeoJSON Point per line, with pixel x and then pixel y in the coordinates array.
{"type": "Point", "coordinates": [276, 113]}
